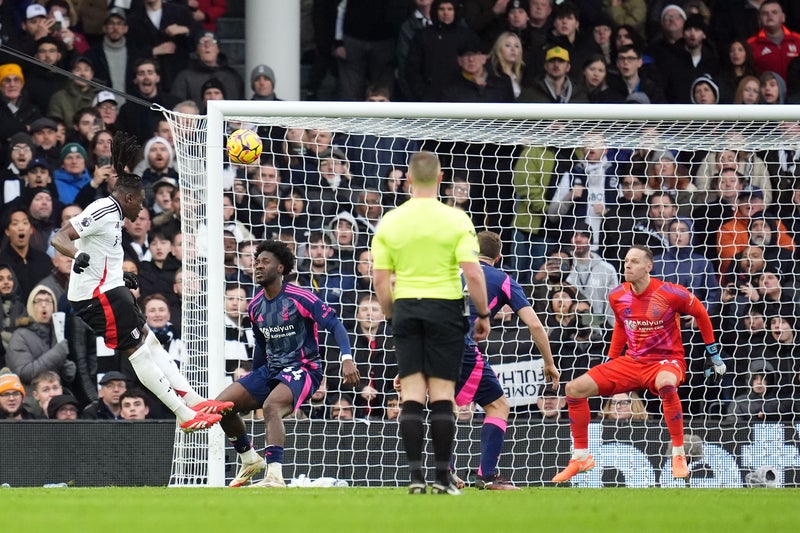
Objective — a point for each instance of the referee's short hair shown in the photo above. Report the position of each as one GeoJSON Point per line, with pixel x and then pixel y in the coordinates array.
{"type": "Point", "coordinates": [425, 167]}
{"type": "Point", "coordinates": [280, 250]}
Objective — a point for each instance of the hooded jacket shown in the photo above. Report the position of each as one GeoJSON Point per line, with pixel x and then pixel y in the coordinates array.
{"type": "Point", "coordinates": [758, 407]}
{"type": "Point", "coordinates": [34, 349]}
{"type": "Point", "coordinates": [359, 240]}
{"type": "Point", "coordinates": [781, 86]}
{"type": "Point", "coordinates": [432, 59]}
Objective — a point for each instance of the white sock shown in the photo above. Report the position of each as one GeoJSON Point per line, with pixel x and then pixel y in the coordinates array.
{"type": "Point", "coordinates": [250, 456]}
{"type": "Point", "coordinates": [580, 454]}
{"type": "Point", "coordinates": [677, 450]}
{"type": "Point", "coordinates": [153, 378]}
{"type": "Point", "coordinates": [275, 471]}
{"type": "Point", "coordinates": [177, 380]}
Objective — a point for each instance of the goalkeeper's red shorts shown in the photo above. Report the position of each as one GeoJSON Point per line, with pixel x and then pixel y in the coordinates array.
{"type": "Point", "coordinates": [625, 374]}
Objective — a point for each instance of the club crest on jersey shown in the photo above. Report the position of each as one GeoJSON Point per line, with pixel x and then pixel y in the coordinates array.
{"type": "Point", "coordinates": [86, 222]}
{"type": "Point", "coordinates": [135, 334]}
{"type": "Point", "coordinates": [626, 311]}
{"type": "Point", "coordinates": [285, 312]}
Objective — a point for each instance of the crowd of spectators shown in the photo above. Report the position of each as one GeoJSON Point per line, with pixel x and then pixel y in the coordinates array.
{"type": "Point", "coordinates": [724, 223]}
{"type": "Point", "coordinates": [610, 51]}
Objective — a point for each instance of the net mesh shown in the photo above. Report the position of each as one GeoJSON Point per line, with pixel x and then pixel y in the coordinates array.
{"type": "Point", "coordinates": [714, 200]}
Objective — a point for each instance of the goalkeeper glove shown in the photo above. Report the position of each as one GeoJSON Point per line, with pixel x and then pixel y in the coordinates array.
{"type": "Point", "coordinates": [131, 281]}
{"type": "Point", "coordinates": [715, 367]}
{"type": "Point", "coordinates": [81, 262]}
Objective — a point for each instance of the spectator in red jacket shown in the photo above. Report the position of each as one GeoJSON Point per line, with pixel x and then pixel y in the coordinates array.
{"type": "Point", "coordinates": [775, 45]}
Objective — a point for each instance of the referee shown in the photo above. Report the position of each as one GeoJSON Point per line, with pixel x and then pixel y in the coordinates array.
{"type": "Point", "coordinates": [423, 243]}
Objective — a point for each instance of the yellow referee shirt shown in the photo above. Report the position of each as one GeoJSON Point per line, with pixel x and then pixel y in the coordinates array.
{"type": "Point", "coordinates": [422, 242]}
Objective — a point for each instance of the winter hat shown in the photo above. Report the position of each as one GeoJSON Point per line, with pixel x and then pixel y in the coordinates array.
{"type": "Point", "coordinates": [30, 193]}
{"type": "Point", "coordinates": [72, 148]}
{"type": "Point", "coordinates": [678, 8]}
{"type": "Point", "coordinates": [57, 402]}
{"type": "Point", "coordinates": [158, 139]}
{"type": "Point", "coordinates": [212, 83]}
{"type": "Point", "coordinates": [695, 20]}
{"type": "Point", "coordinates": [262, 70]}
{"type": "Point", "coordinates": [10, 381]}
{"type": "Point", "coordinates": [11, 69]}
{"type": "Point", "coordinates": [583, 228]}
{"type": "Point", "coordinates": [705, 78]}
{"type": "Point", "coordinates": [205, 35]}
{"type": "Point", "coordinates": [20, 138]}
{"type": "Point", "coordinates": [517, 4]}
{"type": "Point", "coordinates": [81, 59]}
{"type": "Point", "coordinates": [760, 367]}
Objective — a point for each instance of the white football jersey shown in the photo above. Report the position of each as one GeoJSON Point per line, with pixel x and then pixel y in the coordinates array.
{"type": "Point", "coordinates": [100, 230]}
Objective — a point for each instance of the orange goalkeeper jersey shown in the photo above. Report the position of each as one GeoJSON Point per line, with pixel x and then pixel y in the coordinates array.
{"type": "Point", "coordinates": [649, 323]}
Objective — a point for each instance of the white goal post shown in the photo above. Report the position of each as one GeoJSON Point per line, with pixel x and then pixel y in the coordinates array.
{"type": "Point", "coordinates": [685, 131]}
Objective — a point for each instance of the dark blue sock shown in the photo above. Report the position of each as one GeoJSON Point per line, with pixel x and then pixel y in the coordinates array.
{"type": "Point", "coordinates": [493, 433]}
{"type": "Point", "coordinates": [241, 444]}
{"type": "Point", "coordinates": [274, 454]}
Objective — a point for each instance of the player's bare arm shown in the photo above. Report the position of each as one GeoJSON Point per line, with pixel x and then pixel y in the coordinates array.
{"type": "Point", "coordinates": [476, 284]}
{"type": "Point", "coordinates": [539, 336]}
{"type": "Point", "coordinates": [63, 241]}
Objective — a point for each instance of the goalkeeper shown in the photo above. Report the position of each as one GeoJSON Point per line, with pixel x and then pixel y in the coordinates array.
{"type": "Point", "coordinates": [287, 365]}
{"type": "Point", "coordinates": [647, 312]}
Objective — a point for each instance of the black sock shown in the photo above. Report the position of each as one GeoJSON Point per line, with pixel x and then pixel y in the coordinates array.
{"type": "Point", "coordinates": [412, 432]}
{"type": "Point", "coordinates": [443, 431]}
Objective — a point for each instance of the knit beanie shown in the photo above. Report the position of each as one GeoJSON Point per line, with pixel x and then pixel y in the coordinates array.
{"type": "Point", "coordinates": [10, 381]}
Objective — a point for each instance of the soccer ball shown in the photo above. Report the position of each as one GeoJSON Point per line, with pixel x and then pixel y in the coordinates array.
{"type": "Point", "coordinates": [244, 147]}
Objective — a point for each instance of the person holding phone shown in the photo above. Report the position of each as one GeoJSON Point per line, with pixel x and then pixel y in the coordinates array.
{"type": "Point", "coordinates": [103, 176]}
{"type": "Point", "coordinates": [61, 17]}
{"type": "Point", "coordinates": [87, 123]}
{"type": "Point", "coordinates": [106, 104]}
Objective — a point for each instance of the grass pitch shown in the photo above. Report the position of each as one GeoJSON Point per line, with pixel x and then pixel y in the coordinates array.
{"type": "Point", "coordinates": [195, 510]}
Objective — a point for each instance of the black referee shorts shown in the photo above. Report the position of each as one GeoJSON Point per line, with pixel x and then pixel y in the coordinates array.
{"type": "Point", "coordinates": [429, 337]}
{"type": "Point", "coordinates": [115, 316]}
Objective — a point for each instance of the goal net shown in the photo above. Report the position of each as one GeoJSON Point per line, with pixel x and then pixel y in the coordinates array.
{"type": "Point", "coordinates": [713, 191]}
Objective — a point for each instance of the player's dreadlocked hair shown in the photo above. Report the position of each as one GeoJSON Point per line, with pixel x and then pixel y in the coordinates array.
{"type": "Point", "coordinates": [281, 250]}
{"type": "Point", "coordinates": [124, 150]}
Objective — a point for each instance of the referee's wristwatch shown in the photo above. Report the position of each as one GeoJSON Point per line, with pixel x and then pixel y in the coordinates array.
{"type": "Point", "coordinates": [485, 315]}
